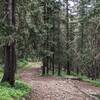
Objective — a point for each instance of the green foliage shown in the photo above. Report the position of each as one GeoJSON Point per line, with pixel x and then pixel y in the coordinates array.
{"type": "Point", "coordinates": [22, 63]}
{"type": "Point", "coordinates": [46, 27]}
{"type": "Point", "coordinates": [27, 64]}
{"type": "Point", "coordinates": [13, 93]}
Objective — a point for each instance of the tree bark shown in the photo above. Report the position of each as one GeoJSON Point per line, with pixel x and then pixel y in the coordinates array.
{"type": "Point", "coordinates": [59, 70]}
{"type": "Point", "coordinates": [10, 53]}
{"type": "Point", "coordinates": [44, 66]}
{"type": "Point", "coordinates": [67, 37]}
{"type": "Point", "coordinates": [53, 69]}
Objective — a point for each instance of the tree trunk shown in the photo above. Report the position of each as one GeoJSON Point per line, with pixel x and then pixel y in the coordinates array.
{"type": "Point", "coordinates": [67, 37]}
{"type": "Point", "coordinates": [10, 65]}
{"type": "Point", "coordinates": [47, 64]}
{"type": "Point", "coordinates": [53, 69]}
{"type": "Point", "coordinates": [59, 70]}
{"type": "Point", "coordinates": [68, 68]}
{"type": "Point", "coordinates": [77, 70]}
{"type": "Point", "coordinates": [10, 53]}
{"type": "Point", "coordinates": [44, 66]}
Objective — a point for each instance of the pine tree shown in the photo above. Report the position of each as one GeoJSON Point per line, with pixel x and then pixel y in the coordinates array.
{"type": "Point", "coordinates": [10, 53]}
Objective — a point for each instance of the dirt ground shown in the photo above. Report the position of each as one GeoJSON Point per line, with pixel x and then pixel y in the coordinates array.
{"type": "Point", "coordinates": [54, 88]}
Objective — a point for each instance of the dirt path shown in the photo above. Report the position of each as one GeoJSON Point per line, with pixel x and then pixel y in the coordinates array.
{"type": "Point", "coordinates": [53, 88]}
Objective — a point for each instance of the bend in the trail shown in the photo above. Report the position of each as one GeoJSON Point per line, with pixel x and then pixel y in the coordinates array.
{"type": "Point", "coordinates": [54, 88]}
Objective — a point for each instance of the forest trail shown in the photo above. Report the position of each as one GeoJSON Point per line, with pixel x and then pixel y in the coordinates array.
{"type": "Point", "coordinates": [55, 88]}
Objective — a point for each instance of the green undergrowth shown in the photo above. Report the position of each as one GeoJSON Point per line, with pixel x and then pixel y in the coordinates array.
{"type": "Point", "coordinates": [25, 65]}
{"type": "Point", "coordinates": [14, 93]}
{"type": "Point", "coordinates": [18, 92]}
{"type": "Point", "coordinates": [22, 64]}
{"type": "Point", "coordinates": [1, 71]}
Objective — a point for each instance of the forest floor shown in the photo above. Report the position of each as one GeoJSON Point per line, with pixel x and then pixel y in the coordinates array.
{"type": "Point", "coordinates": [57, 88]}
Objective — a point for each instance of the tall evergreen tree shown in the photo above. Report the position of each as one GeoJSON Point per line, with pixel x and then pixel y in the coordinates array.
{"type": "Point", "coordinates": [10, 53]}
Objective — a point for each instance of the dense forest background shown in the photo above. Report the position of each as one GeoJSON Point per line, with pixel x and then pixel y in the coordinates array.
{"type": "Point", "coordinates": [63, 34]}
